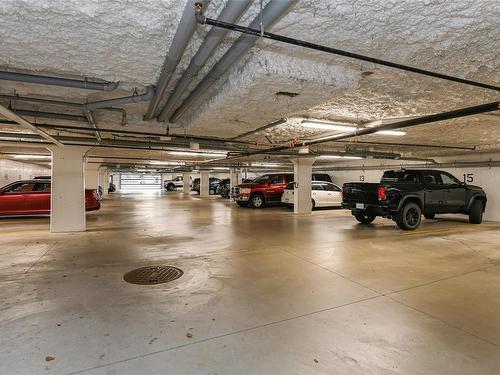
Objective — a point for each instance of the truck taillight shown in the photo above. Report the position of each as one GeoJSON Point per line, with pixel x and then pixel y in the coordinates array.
{"type": "Point", "coordinates": [382, 193]}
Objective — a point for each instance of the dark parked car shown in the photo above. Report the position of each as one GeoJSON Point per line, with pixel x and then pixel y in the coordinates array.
{"type": "Point", "coordinates": [32, 197]}
{"type": "Point", "coordinates": [404, 195]}
{"type": "Point", "coordinates": [213, 185]}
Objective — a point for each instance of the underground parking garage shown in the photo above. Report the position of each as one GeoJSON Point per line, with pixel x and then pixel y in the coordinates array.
{"type": "Point", "coordinates": [249, 187]}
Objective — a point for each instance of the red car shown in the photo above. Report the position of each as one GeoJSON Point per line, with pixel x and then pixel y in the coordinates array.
{"type": "Point", "coordinates": [32, 197]}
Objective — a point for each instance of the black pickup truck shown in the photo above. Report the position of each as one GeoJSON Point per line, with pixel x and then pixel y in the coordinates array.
{"type": "Point", "coordinates": [404, 195]}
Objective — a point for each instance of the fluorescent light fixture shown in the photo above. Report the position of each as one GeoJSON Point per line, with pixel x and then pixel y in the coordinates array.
{"type": "Point", "coordinates": [28, 157]}
{"type": "Point", "coordinates": [211, 154]}
{"type": "Point", "coordinates": [220, 168]}
{"type": "Point", "coordinates": [160, 162]}
{"type": "Point", "coordinates": [327, 125]}
{"type": "Point", "coordinates": [340, 157]}
{"type": "Point", "coordinates": [391, 132]}
{"type": "Point", "coordinates": [267, 165]}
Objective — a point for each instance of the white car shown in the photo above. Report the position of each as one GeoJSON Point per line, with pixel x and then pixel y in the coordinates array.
{"type": "Point", "coordinates": [323, 194]}
{"type": "Point", "coordinates": [177, 182]}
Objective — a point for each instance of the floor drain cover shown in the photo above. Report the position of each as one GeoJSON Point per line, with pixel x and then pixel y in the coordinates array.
{"type": "Point", "coordinates": [153, 275]}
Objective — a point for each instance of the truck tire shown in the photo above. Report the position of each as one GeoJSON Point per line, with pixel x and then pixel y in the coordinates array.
{"type": "Point", "coordinates": [430, 216]}
{"type": "Point", "coordinates": [313, 204]}
{"type": "Point", "coordinates": [476, 212]}
{"type": "Point", "coordinates": [170, 187]}
{"type": "Point", "coordinates": [364, 218]}
{"type": "Point", "coordinates": [257, 201]}
{"type": "Point", "coordinates": [211, 192]}
{"type": "Point", "coordinates": [409, 217]}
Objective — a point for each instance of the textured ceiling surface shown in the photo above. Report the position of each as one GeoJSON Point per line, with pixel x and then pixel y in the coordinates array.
{"type": "Point", "coordinates": [128, 41]}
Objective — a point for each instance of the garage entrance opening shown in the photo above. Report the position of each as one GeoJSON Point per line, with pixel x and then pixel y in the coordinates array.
{"type": "Point", "coordinates": [138, 181]}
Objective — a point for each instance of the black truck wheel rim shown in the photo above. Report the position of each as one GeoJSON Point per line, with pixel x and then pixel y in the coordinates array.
{"type": "Point", "coordinates": [412, 217]}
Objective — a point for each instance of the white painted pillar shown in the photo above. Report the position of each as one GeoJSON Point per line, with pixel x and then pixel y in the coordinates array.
{"type": "Point", "coordinates": [67, 204]}
{"type": "Point", "coordinates": [234, 177]}
{"type": "Point", "coordinates": [102, 181]}
{"type": "Point", "coordinates": [302, 170]}
{"type": "Point", "coordinates": [204, 183]}
{"type": "Point", "coordinates": [91, 176]}
{"type": "Point", "coordinates": [186, 182]}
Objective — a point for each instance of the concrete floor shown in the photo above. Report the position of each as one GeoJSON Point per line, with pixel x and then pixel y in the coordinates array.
{"type": "Point", "coordinates": [264, 292]}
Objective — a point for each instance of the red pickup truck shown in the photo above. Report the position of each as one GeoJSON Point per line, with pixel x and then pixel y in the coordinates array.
{"type": "Point", "coordinates": [262, 190]}
{"type": "Point", "coordinates": [268, 188]}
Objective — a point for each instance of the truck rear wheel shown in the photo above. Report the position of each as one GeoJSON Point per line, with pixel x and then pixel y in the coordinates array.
{"type": "Point", "coordinates": [170, 187]}
{"type": "Point", "coordinates": [364, 217]}
{"type": "Point", "coordinates": [476, 212]}
{"type": "Point", "coordinates": [257, 201]}
{"type": "Point", "coordinates": [409, 217]}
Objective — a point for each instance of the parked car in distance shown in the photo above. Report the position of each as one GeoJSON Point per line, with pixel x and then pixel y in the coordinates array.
{"type": "Point", "coordinates": [213, 185]}
{"type": "Point", "coordinates": [267, 189]}
{"type": "Point", "coordinates": [404, 195]}
{"type": "Point", "coordinates": [111, 188]}
{"type": "Point", "coordinates": [323, 194]}
{"type": "Point", "coordinates": [171, 185]}
{"type": "Point", "coordinates": [32, 197]}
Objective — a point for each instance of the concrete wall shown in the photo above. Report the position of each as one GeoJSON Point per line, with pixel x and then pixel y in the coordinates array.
{"type": "Point", "coordinates": [11, 171]}
{"type": "Point", "coordinates": [485, 177]}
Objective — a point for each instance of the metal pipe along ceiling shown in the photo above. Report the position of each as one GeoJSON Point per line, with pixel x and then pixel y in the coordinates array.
{"type": "Point", "coordinates": [120, 101]}
{"type": "Point", "coordinates": [462, 112]}
{"type": "Point", "coordinates": [59, 116]}
{"type": "Point", "coordinates": [254, 31]}
{"type": "Point", "coordinates": [231, 13]}
{"type": "Point", "coordinates": [262, 128]}
{"type": "Point", "coordinates": [272, 12]}
{"type": "Point", "coordinates": [185, 31]}
{"type": "Point", "coordinates": [7, 113]}
{"type": "Point", "coordinates": [56, 81]}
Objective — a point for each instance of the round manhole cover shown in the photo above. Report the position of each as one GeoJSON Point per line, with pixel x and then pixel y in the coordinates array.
{"type": "Point", "coordinates": [153, 275]}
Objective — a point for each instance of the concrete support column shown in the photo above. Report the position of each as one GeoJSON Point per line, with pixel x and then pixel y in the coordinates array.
{"type": "Point", "coordinates": [103, 181]}
{"type": "Point", "coordinates": [186, 182]}
{"type": "Point", "coordinates": [302, 170]}
{"type": "Point", "coordinates": [91, 176]}
{"type": "Point", "coordinates": [204, 183]}
{"type": "Point", "coordinates": [235, 177]}
{"type": "Point", "coordinates": [67, 204]}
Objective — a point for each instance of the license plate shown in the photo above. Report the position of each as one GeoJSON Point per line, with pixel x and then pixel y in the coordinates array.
{"type": "Point", "coordinates": [360, 206]}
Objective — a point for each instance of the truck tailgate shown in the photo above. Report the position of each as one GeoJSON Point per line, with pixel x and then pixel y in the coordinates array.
{"type": "Point", "coordinates": [360, 192]}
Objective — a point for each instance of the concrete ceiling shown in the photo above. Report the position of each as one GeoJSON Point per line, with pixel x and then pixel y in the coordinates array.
{"type": "Point", "coordinates": [127, 41]}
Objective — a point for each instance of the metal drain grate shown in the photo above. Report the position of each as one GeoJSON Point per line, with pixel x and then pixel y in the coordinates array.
{"type": "Point", "coordinates": [153, 275]}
